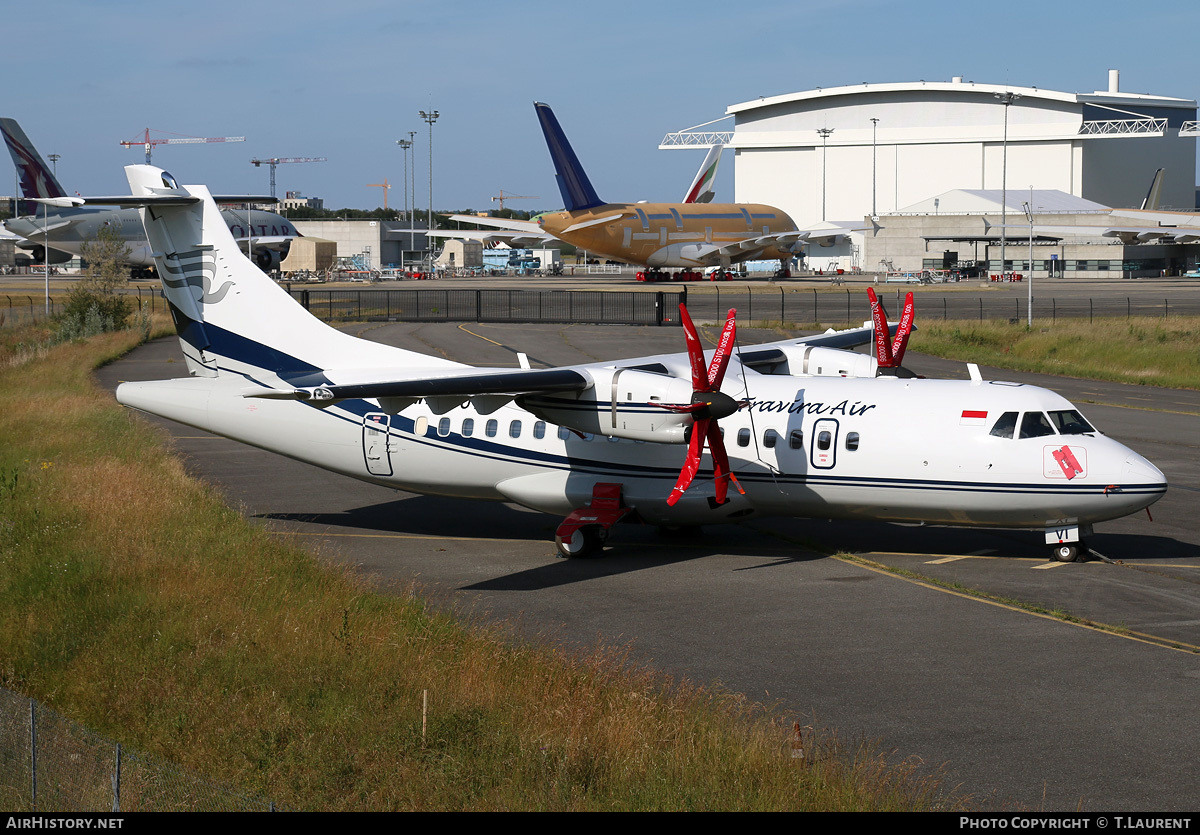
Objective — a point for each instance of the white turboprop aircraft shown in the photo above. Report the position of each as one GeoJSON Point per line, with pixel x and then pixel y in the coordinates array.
{"type": "Point", "coordinates": [813, 431]}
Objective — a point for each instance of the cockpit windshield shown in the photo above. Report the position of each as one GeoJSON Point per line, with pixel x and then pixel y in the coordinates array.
{"type": "Point", "coordinates": [1035, 425]}
{"type": "Point", "coordinates": [1070, 422]}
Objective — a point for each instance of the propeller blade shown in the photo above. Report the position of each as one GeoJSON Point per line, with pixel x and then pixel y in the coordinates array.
{"type": "Point", "coordinates": [722, 472]}
{"type": "Point", "coordinates": [883, 348]}
{"type": "Point", "coordinates": [694, 349]}
{"type": "Point", "coordinates": [720, 360]}
{"type": "Point", "coordinates": [900, 343]}
{"type": "Point", "coordinates": [692, 465]}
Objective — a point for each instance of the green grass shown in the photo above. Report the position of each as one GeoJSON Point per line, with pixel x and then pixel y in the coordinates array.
{"type": "Point", "coordinates": [1146, 351]}
{"type": "Point", "coordinates": [135, 602]}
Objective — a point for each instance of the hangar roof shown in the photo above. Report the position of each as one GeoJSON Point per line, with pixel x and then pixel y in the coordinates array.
{"type": "Point", "coordinates": [1097, 97]}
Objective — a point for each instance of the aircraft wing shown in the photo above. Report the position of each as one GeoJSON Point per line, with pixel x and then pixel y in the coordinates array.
{"type": "Point", "coordinates": [269, 241]}
{"type": "Point", "coordinates": [782, 240]}
{"type": "Point", "coordinates": [529, 227]}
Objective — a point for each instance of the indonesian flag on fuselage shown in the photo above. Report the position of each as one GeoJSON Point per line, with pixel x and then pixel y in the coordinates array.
{"type": "Point", "coordinates": [973, 417]}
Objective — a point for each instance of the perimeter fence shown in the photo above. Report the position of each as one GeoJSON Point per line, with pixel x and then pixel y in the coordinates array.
{"type": "Point", "coordinates": [792, 305]}
{"type": "Point", "coordinates": [50, 764]}
{"type": "Point", "coordinates": [549, 306]}
{"type": "Point", "coordinates": [806, 305]}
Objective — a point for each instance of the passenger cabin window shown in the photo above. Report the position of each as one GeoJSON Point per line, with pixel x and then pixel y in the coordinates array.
{"type": "Point", "coordinates": [743, 437]}
{"type": "Point", "coordinates": [824, 439]}
{"type": "Point", "coordinates": [796, 439]}
{"type": "Point", "coordinates": [1070, 422]}
{"type": "Point", "coordinates": [514, 429]}
{"type": "Point", "coordinates": [490, 428]}
{"type": "Point", "coordinates": [539, 429]}
{"type": "Point", "coordinates": [468, 427]}
{"type": "Point", "coordinates": [1005, 425]}
{"type": "Point", "coordinates": [444, 427]}
{"type": "Point", "coordinates": [852, 441]}
{"type": "Point", "coordinates": [563, 433]}
{"type": "Point", "coordinates": [1035, 425]}
{"type": "Point", "coordinates": [770, 438]}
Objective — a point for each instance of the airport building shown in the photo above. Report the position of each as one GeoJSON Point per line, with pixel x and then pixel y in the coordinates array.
{"type": "Point", "coordinates": [917, 150]}
{"type": "Point", "coordinates": [379, 244]}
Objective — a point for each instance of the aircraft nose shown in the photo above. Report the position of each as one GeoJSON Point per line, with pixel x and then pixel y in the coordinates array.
{"type": "Point", "coordinates": [1139, 469]}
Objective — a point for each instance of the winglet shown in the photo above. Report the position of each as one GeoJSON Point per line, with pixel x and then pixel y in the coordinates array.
{"type": "Point", "coordinates": [1154, 195]}
{"type": "Point", "coordinates": [577, 191]}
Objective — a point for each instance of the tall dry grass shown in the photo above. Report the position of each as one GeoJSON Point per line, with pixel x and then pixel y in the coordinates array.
{"type": "Point", "coordinates": [1149, 351]}
{"type": "Point", "coordinates": [133, 600]}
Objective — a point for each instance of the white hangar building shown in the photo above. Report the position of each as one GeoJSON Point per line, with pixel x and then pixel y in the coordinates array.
{"type": "Point", "coordinates": [846, 153]}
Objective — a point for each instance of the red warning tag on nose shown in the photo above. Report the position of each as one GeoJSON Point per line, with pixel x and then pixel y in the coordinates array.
{"type": "Point", "coordinates": [1067, 462]}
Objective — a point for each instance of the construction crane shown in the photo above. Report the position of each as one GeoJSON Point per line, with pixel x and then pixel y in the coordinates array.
{"type": "Point", "coordinates": [177, 139]}
{"type": "Point", "coordinates": [502, 197]}
{"type": "Point", "coordinates": [385, 185]}
{"type": "Point", "coordinates": [258, 163]}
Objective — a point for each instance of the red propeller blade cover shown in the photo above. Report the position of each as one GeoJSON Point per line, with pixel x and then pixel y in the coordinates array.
{"type": "Point", "coordinates": [903, 330]}
{"type": "Point", "coordinates": [883, 348]}
{"type": "Point", "coordinates": [692, 465]}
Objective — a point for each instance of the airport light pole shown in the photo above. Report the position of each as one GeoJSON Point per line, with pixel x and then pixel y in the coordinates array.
{"type": "Point", "coordinates": [874, 169]}
{"type": "Point", "coordinates": [405, 144]}
{"type": "Point", "coordinates": [430, 118]}
{"type": "Point", "coordinates": [1006, 98]}
{"type": "Point", "coordinates": [1028, 206]}
{"type": "Point", "coordinates": [824, 132]}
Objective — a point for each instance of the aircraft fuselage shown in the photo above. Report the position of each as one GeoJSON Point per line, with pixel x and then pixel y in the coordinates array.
{"type": "Point", "coordinates": [918, 451]}
{"type": "Point", "coordinates": [69, 230]}
{"type": "Point", "coordinates": [672, 234]}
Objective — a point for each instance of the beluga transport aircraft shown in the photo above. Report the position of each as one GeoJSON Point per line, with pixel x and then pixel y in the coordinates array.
{"type": "Point", "coordinates": [69, 227]}
{"type": "Point", "coordinates": [693, 235]}
{"type": "Point", "coordinates": [793, 428]}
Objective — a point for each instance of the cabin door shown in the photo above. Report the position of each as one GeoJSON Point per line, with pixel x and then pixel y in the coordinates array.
{"type": "Point", "coordinates": [377, 448]}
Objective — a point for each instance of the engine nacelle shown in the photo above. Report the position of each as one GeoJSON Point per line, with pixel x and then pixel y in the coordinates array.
{"type": "Point", "coordinates": [267, 260]}
{"type": "Point", "coordinates": [621, 404]}
{"type": "Point", "coordinates": [828, 362]}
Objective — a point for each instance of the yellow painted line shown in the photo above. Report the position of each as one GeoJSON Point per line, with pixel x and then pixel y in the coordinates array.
{"type": "Point", "coordinates": [1139, 637]}
{"type": "Point", "coordinates": [484, 338]}
{"type": "Point", "coordinates": [945, 560]}
{"type": "Point", "coordinates": [1048, 565]}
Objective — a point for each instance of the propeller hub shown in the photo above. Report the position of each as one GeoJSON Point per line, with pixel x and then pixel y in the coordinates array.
{"type": "Point", "coordinates": [716, 404]}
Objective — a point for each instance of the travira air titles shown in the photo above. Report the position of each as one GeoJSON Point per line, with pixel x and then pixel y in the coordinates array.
{"type": "Point", "coordinates": [657, 235]}
{"type": "Point", "coordinates": [69, 226]}
{"type": "Point", "coordinates": [799, 427]}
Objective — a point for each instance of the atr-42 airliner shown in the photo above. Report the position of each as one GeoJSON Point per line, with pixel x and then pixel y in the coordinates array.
{"type": "Point", "coordinates": [793, 428]}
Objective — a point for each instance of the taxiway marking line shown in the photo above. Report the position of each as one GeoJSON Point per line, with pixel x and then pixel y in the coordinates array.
{"type": "Point", "coordinates": [945, 560]}
{"type": "Point", "coordinates": [1139, 637]}
{"type": "Point", "coordinates": [464, 329]}
{"type": "Point", "coordinates": [1048, 565]}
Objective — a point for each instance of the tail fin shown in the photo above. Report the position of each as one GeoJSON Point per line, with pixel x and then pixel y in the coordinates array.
{"type": "Point", "coordinates": [1154, 195]}
{"type": "Point", "coordinates": [577, 191]}
{"type": "Point", "coordinates": [701, 189]}
{"type": "Point", "coordinates": [36, 179]}
{"type": "Point", "coordinates": [230, 316]}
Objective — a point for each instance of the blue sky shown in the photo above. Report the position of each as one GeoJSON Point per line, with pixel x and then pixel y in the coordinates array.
{"type": "Point", "coordinates": [344, 79]}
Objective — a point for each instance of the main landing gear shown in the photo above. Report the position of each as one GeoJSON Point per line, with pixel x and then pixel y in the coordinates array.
{"type": "Point", "coordinates": [584, 532]}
